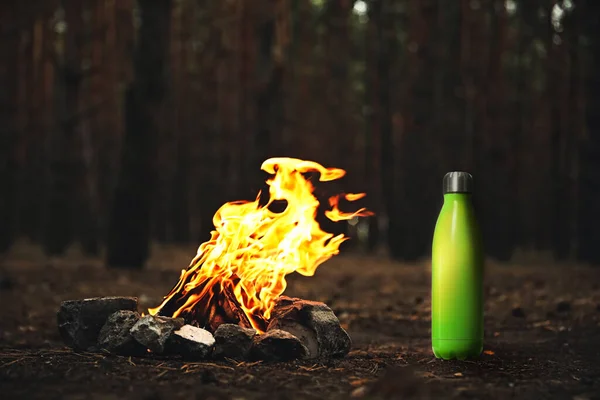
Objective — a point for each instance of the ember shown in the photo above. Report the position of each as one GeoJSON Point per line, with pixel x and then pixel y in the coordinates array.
{"type": "Point", "coordinates": [238, 275]}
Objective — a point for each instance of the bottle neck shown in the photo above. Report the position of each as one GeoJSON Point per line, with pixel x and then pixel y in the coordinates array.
{"type": "Point", "coordinates": [457, 197]}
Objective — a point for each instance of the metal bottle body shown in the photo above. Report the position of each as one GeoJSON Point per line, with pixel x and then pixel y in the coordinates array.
{"type": "Point", "coordinates": [457, 281]}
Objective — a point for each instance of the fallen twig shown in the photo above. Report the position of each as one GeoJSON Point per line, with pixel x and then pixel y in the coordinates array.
{"type": "Point", "coordinates": [207, 364]}
{"type": "Point", "coordinates": [13, 362]}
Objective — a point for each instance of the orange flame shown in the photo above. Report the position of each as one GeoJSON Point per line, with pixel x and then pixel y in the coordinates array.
{"type": "Point", "coordinates": [252, 248]}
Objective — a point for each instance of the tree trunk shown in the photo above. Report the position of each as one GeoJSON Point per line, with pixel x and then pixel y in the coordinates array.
{"type": "Point", "coordinates": [31, 201]}
{"type": "Point", "coordinates": [413, 211]}
{"type": "Point", "coordinates": [589, 179]}
{"type": "Point", "coordinates": [554, 83]}
{"type": "Point", "coordinates": [181, 183]}
{"type": "Point", "coordinates": [380, 28]}
{"type": "Point", "coordinates": [9, 47]}
{"type": "Point", "coordinates": [497, 198]}
{"type": "Point", "coordinates": [24, 221]}
{"type": "Point", "coordinates": [60, 174]}
{"type": "Point", "coordinates": [129, 230]}
{"type": "Point", "coordinates": [372, 147]}
{"type": "Point", "coordinates": [79, 187]}
{"type": "Point", "coordinates": [575, 124]}
{"type": "Point", "coordinates": [268, 96]}
{"type": "Point", "coordinates": [338, 65]}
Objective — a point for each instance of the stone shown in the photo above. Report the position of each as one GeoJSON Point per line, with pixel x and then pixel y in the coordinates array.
{"type": "Point", "coordinates": [277, 345]}
{"type": "Point", "coordinates": [154, 331]}
{"type": "Point", "coordinates": [116, 337]}
{"type": "Point", "coordinates": [518, 312]}
{"type": "Point", "coordinates": [307, 336]}
{"type": "Point", "coordinates": [190, 342]}
{"type": "Point", "coordinates": [80, 321]}
{"type": "Point", "coordinates": [233, 341]}
{"type": "Point", "coordinates": [6, 282]}
{"type": "Point", "coordinates": [314, 323]}
{"type": "Point", "coordinates": [563, 306]}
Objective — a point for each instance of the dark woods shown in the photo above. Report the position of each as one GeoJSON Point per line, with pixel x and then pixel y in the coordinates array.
{"type": "Point", "coordinates": [123, 122]}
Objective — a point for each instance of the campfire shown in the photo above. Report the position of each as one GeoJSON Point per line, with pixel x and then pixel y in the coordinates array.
{"type": "Point", "coordinates": [229, 301]}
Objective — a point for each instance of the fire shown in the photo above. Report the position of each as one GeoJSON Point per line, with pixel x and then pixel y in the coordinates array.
{"type": "Point", "coordinates": [253, 248]}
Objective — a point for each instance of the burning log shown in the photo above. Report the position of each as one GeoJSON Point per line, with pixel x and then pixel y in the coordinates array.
{"type": "Point", "coordinates": [153, 332]}
{"type": "Point", "coordinates": [314, 324]}
{"type": "Point", "coordinates": [190, 342]}
{"type": "Point", "coordinates": [215, 307]}
{"type": "Point", "coordinates": [116, 337]}
{"type": "Point", "coordinates": [227, 310]}
{"type": "Point", "coordinates": [277, 345]}
{"type": "Point", "coordinates": [80, 321]}
{"type": "Point", "coordinates": [233, 341]}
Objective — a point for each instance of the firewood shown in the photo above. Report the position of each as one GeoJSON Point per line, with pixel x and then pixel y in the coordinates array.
{"type": "Point", "coordinates": [216, 307]}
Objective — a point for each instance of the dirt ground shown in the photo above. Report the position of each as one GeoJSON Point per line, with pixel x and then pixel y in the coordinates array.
{"type": "Point", "coordinates": [542, 337]}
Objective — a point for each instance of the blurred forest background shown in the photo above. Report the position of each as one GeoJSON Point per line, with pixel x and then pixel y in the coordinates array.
{"type": "Point", "coordinates": [129, 122]}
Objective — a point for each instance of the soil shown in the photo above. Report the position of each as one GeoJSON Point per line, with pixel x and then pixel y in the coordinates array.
{"type": "Point", "coordinates": [542, 337]}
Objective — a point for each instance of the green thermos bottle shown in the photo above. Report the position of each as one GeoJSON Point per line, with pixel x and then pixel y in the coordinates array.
{"type": "Point", "coordinates": [457, 274]}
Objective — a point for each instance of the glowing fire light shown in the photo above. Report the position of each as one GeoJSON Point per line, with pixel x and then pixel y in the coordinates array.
{"type": "Point", "coordinates": [252, 248]}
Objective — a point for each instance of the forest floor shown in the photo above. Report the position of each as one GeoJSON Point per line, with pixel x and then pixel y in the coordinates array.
{"type": "Point", "coordinates": [542, 337]}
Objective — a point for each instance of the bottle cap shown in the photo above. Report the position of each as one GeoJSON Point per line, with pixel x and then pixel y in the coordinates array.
{"type": "Point", "coordinates": [458, 182]}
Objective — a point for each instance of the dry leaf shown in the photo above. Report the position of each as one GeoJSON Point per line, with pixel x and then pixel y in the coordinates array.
{"type": "Point", "coordinates": [542, 323]}
{"type": "Point", "coordinates": [359, 382]}
{"type": "Point", "coordinates": [489, 352]}
{"type": "Point", "coordinates": [359, 392]}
